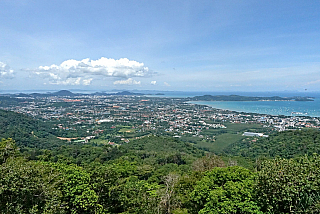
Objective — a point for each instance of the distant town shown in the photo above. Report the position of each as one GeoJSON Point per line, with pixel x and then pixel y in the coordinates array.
{"type": "Point", "coordinates": [117, 118]}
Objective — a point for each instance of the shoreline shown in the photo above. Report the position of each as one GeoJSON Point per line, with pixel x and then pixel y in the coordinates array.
{"type": "Point", "coordinates": [297, 113]}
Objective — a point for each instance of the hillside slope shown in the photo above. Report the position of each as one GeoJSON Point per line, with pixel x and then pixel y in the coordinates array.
{"type": "Point", "coordinates": [286, 144]}
{"type": "Point", "coordinates": [26, 131]}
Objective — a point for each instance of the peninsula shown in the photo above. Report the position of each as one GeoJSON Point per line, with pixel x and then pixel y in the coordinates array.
{"type": "Point", "coordinates": [246, 98]}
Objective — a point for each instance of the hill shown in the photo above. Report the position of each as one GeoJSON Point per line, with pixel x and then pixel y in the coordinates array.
{"type": "Point", "coordinates": [246, 98]}
{"type": "Point", "coordinates": [164, 149]}
{"type": "Point", "coordinates": [287, 144]}
{"type": "Point", "coordinates": [6, 101]}
{"type": "Point", "coordinates": [121, 93]}
{"type": "Point", "coordinates": [37, 135]}
{"type": "Point", "coordinates": [26, 131]}
{"type": "Point", "coordinates": [63, 93]}
{"type": "Point", "coordinates": [66, 93]}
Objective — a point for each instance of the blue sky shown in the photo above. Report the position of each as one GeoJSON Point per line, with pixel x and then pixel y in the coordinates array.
{"type": "Point", "coordinates": [226, 45]}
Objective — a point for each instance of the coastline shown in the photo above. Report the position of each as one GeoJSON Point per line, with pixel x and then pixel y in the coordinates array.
{"type": "Point", "coordinates": [274, 108]}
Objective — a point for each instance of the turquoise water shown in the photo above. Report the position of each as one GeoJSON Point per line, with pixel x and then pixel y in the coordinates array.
{"type": "Point", "coordinates": [311, 108]}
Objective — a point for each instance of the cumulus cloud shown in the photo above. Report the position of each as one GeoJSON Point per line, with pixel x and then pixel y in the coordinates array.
{"type": "Point", "coordinates": [153, 82]}
{"type": "Point", "coordinates": [6, 71]}
{"type": "Point", "coordinates": [87, 81]}
{"type": "Point", "coordinates": [129, 81]}
{"type": "Point", "coordinates": [74, 72]}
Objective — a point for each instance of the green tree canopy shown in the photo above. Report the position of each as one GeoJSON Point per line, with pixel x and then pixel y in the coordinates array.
{"type": "Point", "coordinates": [290, 186]}
{"type": "Point", "coordinates": [226, 190]}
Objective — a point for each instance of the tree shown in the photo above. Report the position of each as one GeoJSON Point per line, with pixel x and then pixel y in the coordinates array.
{"type": "Point", "coordinates": [207, 162]}
{"type": "Point", "coordinates": [290, 185]}
{"type": "Point", "coordinates": [120, 190]}
{"type": "Point", "coordinates": [41, 187]}
{"type": "Point", "coordinates": [29, 187]}
{"type": "Point", "coordinates": [168, 201]}
{"type": "Point", "coordinates": [8, 149]}
{"type": "Point", "coordinates": [226, 190]}
{"type": "Point", "coordinates": [78, 195]}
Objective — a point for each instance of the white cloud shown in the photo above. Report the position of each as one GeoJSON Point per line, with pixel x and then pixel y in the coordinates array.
{"type": "Point", "coordinates": [6, 71]}
{"type": "Point", "coordinates": [129, 81]}
{"type": "Point", "coordinates": [70, 81]}
{"type": "Point", "coordinates": [313, 82]}
{"type": "Point", "coordinates": [87, 81]}
{"type": "Point", "coordinates": [153, 82]}
{"type": "Point", "coordinates": [166, 84]}
{"type": "Point", "coordinates": [74, 72]}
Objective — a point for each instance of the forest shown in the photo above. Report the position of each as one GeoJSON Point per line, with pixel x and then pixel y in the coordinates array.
{"type": "Point", "coordinates": [155, 174]}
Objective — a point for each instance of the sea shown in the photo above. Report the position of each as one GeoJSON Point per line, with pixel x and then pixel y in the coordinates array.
{"type": "Point", "coordinates": [286, 108]}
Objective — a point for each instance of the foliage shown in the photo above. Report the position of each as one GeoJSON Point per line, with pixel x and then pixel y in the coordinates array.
{"type": "Point", "coordinates": [8, 149]}
{"type": "Point", "coordinates": [163, 145]}
{"type": "Point", "coordinates": [77, 192]}
{"type": "Point", "coordinates": [207, 162]}
{"type": "Point", "coordinates": [120, 190]}
{"type": "Point", "coordinates": [26, 131]}
{"type": "Point", "coordinates": [221, 138]}
{"type": "Point", "coordinates": [290, 186]}
{"type": "Point", "coordinates": [42, 187]}
{"type": "Point", "coordinates": [154, 174]}
{"type": "Point", "coordinates": [6, 101]}
{"type": "Point", "coordinates": [168, 200]}
{"type": "Point", "coordinates": [29, 187]}
{"type": "Point", "coordinates": [226, 190]}
{"type": "Point", "coordinates": [183, 190]}
{"type": "Point", "coordinates": [287, 144]}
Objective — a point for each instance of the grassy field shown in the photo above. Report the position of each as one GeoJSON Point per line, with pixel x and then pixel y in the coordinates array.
{"type": "Point", "coordinates": [121, 126]}
{"type": "Point", "coordinates": [244, 127]}
{"type": "Point", "coordinates": [126, 130]}
{"type": "Point", "coordinates": [222, 141]}
{"type": "Point", "coordinates": [223, 137]}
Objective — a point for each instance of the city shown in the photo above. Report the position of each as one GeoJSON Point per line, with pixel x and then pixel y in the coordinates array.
{"type": "Point", "coordinates": [116, 119]}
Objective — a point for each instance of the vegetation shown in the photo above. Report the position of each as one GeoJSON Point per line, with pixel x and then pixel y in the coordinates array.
{"type": "Point", "coordinates": [289, 185]}
{"type": "Point", "coordinates": [26, 131]}
{"type": "Point", "coordinates": [155, 174]}
{"type": "Point", "coordinates": [286, 144]}
{"type": "Point", "coordinates": [225, 190]}
{"type": "Point", "coordinates": [6, 101]}
{"type": "Point", "coordinates": [217, 140]}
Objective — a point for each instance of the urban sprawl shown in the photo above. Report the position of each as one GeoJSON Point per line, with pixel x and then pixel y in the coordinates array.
{"type": "Point", "coordinates": [118, 119]}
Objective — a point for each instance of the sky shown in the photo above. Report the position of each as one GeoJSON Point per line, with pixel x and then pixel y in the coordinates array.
{"type": "Point", "coordinates": [221, 45]}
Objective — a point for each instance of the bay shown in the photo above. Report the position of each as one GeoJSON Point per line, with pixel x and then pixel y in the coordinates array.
{"type": "Point", "coordinates": [287, 108]}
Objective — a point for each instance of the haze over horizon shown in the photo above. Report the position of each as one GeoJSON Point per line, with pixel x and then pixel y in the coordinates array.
{"type": "Point", "coordinates": [160, 45]}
